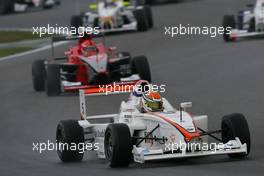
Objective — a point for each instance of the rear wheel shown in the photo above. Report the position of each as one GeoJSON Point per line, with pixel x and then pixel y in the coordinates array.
{"type": "Point", "coordinates": [144, 2]}
{"type": "Point", "coordinates": [235, 125]}
{"type": "Point", "coordinates": [38, 75]}
{"type": "Point", "coordinates": [6, 6]}
{"type": "Point", "coordinates": [228, 22]}
{"type": "Point", "coordinates": [149, 16]}
{"type": "Point", "coordinates": [76, 21]}
{"type": "Point", "coordinates": [140, 65]}
{"type": "Point", "coordinates": [68, 133]}
{"type": "Point", "coordinates": [118, 145]}
{"type": "Point", "coordinates": [96, 22]}
{"type": "Point", "coordinates": [53, 87]}
{"type": "Point", "coordinates": [142, 20]}
{"type": "Point", "coordinates": [252, 25]}
{"type": "Point", "coordinates": [150, 1]}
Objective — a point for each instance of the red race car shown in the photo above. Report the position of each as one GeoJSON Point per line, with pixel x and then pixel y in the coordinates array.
{"type": "Point", "coordinates": [88, 65]}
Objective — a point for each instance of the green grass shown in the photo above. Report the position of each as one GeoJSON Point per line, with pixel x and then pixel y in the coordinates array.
{"type": "Point", "coordinates": [14, 36]}
{"type": "Point", "coordinates": [10, 51]}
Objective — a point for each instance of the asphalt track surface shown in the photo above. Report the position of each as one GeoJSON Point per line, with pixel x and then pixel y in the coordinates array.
{"type": "Point", "coordinates": [219, 78]}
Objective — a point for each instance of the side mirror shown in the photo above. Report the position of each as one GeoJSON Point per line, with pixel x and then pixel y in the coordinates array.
{"type": "Point", "coordinates": [186, 105]}
{"type": "Point", "coordinates": [183, 107]}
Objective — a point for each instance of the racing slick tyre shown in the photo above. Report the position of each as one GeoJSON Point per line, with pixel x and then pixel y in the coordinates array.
{"type": "Point", "coordinates": [53, 82]}
{"type": "Point", "coordinates": [252, 25]}
{"type": "Point", "coordinates": [76, 21]}
{"type": "Point", "coordinates": [235, 125]}
{"type": "Point", "coordinates": [142, 19]}
{"type": "Point", "coordinates": [96, 22]}
{"type": "Point", "coordinates": [58, 2]}
{"type": "Point", "coordinates": [143, 2]}
{"type": "Point", "coordinates": [45, 5]}
{"type": "Point", "coordinates": [69, 133]}
{"type": "Point", "coordinates": [140, 65]}
{"type": "Point", "coordinates": [38, 75]}
{"type": "Point", "coordinates": [6, 6]}
{"type": "Point", "coordinates": [149, 16]}
{"type": "Point", "coordinates": [228, 22]}
{"type": "Point", "coordinates": [118, 145]}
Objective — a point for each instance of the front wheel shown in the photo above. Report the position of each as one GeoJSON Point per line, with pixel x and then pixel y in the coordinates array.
{"type": "Point", "coordinates": [46, 5]}
{"type": "Point", "coordinates": [69, 133]}
{"type": "Point", "coordinates": [76, 21]}
{"type": "Point", "coordinates": [228, 22]}
{"type": "Point", "coordinates": [235, 125]}
{"type": "Point", "coordinates": [38, 75]}
{"type": "Point", "coordinates": [118, 145]}
{"type": "Point", "coordinates": [149, 16]}
{"type": "Point", "coordinates": [6, 6]}
{"type": "Point", "coordinates": [142, 20]}
{"type": "Point", "coordinates": [140, 65]}
{"type": "Point", "coordinates": [53, 85]}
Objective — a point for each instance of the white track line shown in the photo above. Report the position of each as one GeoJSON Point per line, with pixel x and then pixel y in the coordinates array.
{"type": "Point", "coordinates": [30, 52]}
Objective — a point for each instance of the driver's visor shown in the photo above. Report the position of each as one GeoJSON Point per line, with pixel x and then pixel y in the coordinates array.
{"type": "Point", "coordinates": [89, 49]}
{"type": "Point", "coordinates": [156, 106]}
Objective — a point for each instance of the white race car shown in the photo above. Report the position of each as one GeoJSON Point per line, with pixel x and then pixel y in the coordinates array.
{"type": "Point", "coordinates": [8, 6]}
{"type": "Point", "coordinates": [250, 23]}
{"type": "Point", "coordinates": [144, 131]}
{"type": "Point", "coordinates": [115, 16]}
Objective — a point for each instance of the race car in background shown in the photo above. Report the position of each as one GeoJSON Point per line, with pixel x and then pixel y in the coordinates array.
{"type": "Point", "coordinates": [9, 6]}
{"type": "Point", "coordinates": [87, 65]}
{"type": "Point", "coordinates": [115, 16]}
{"type": "Point", "coordinates": [144, 134]}
{"type": "Point", "coordinates": [249, 23]}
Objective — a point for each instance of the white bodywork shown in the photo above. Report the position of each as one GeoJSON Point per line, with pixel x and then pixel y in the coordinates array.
{"type": "Point", "coordinates": [257, 13]}
{"type": "Point", "coordinates": [168, 133]}
{"type": "Point", "coordinates": [22, 7]}
{"type": "Point", "coordinates": [113, 17]}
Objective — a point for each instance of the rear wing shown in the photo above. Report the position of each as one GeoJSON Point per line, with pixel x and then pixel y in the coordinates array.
{"type": "Point", "coordinates": [109, 89]}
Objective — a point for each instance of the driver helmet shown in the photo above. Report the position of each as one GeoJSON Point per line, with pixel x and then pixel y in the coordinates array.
{"type": "Point", "coordinates": [152, 101]}
{"type": "Point", "coordinates": [140, 87]}
{"type": "Point", "coordinates": [88, 48]}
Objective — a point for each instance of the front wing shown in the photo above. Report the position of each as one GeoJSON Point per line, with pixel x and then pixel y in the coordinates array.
{"type": "Point", "coordinates": [235, 34]}
{"type": "Point", "coordinates": [142, 155]}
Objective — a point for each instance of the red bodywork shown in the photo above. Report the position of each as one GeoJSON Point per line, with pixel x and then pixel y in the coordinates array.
{"type": "Point", "coordinates": [75, 57]}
